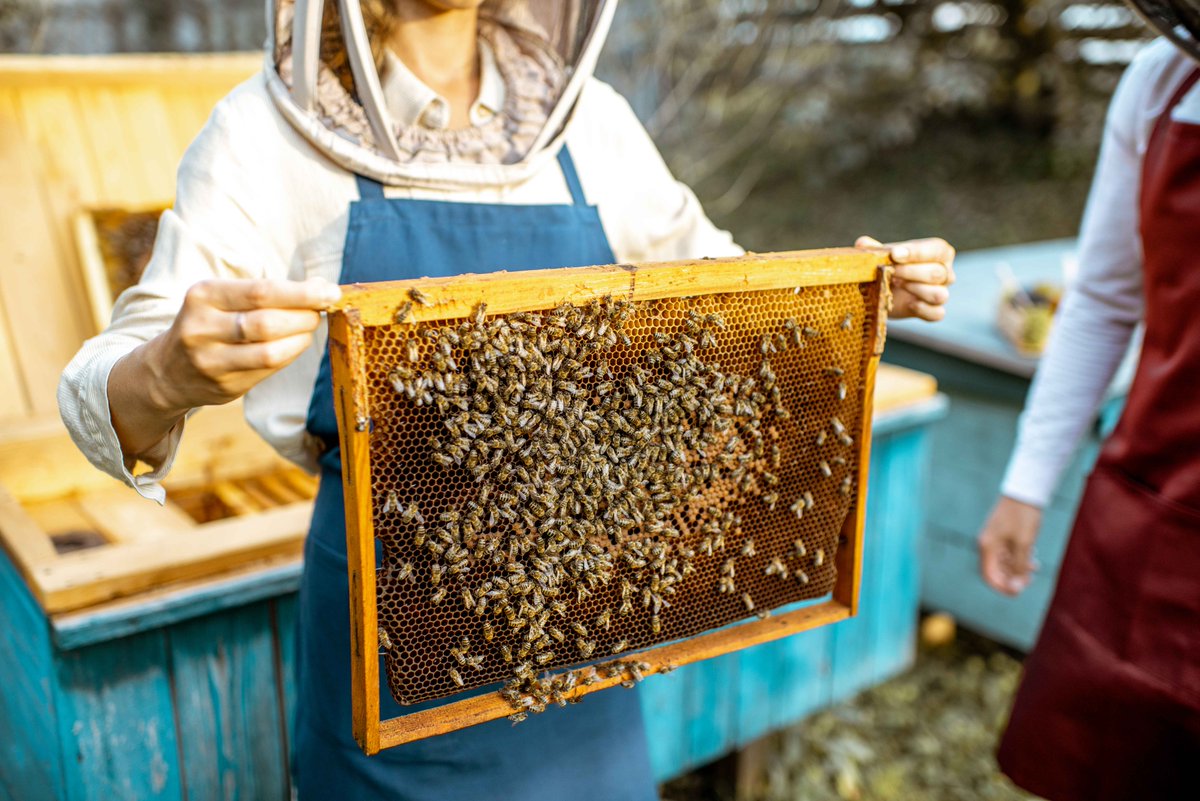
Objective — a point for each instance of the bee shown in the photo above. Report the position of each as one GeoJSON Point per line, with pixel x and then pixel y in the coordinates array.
{"type": "Point", "coordinates": [821, 437]}
{"type": "Point", "coordinates": [748, 601]}
{"type": "Point", "coordinates": [797, 508]}
{"type": "Point", "coordinates": [801, 576]}
{"type": "Point", "coordinates": [391, 504]}
{"type": "Point", "coordinates": [414, 350]}
{"type": "Point", "coordinates": [468, 599]}
{"type": "Point", "coordinates": [762, 614]}
{"type": "Point", "coordinates": [480, 311]}
{"type": "Point", "coordinates": [385, 642]}
{"type": "Point", "coordinates": [435, 574]}
{"type": "Point", "coordinates": [544, 657]}
{"type": "Point", "coordinates": [799, 548]}
{"type": "Point", "coordinates": [438, 596]}
{"type": "Point", "coordinates": [412, 514]}
{"type": "Point", "coordinates": [848, 322]}
{"type": "Point", "coordinates": [402, 312]}
{"type": "Point", "coordinates": [748, 547]}
{"type": "Point", "coordinates": [835, 371]}
{"type": "Point", "coordinates": [604, 619]}
{"type": "Point", "coordinates": [579, 629]}
{"type": "Point", "coordinates": [826, 470]}
{"type": "Point", "coordinates": [847, 483]}
{"type": "Point", "coordinates": [518, 717]}
{"type": "Point", "coordinates": [620, 646]}
{"type": "Point", "coordinates": [770, 499]}
{"type": "Point", "coordinates": [655, 624]}
{"type": "Point", "coordinates": [420, 297]}
{"type": "Point", "coordinates": [456, 677]}
{"type": "Point", "coordinates": [506, 653]}
{"type": "Point", "coordinates": [819, 557]}
{"type": "Point", "coordinates": [405, 572]}
{"type": "Point", "coordinates": [811, 333]}
{"type": "Point", "coordinates": [585, 647]}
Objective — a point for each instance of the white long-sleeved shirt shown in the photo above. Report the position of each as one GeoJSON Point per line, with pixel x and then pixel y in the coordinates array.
{"type": "Point", "coordinates": [1105, 303]}
{"type": "Point", "coordinates": [254, 199]}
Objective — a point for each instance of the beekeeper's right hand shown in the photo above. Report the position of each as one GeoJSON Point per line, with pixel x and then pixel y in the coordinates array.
{"type": "Point", "coordinates": [228, 336]}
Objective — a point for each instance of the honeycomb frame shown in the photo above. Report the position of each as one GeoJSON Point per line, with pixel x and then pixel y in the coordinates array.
{"type": "Point", "coordinates": [793, 290]}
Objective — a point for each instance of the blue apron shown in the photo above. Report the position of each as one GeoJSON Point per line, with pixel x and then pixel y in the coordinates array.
{"type": "Point", "coordinates": [595, 751]}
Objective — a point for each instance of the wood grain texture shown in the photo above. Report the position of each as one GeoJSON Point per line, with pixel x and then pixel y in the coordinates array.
{"type": "Point", "coordinates": [506, 293]}
{"type": "Point", "coordinates": [31, 768]}
{"type": "Point", "coordinates": [117, 728]}
{"type": "Point", "coordinates": [227, 706]}
{"type": "Point", "coordinates": [178, 71]}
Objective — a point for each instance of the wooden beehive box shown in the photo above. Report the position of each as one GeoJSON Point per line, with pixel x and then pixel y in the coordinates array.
{"type": "Point", "coordinates": [86, 143]}
{"type": "Point", "coordinates": [565, 467]}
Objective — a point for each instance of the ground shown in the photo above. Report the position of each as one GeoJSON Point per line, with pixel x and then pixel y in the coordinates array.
{"type": "Point", "coordinates": [928, 734]}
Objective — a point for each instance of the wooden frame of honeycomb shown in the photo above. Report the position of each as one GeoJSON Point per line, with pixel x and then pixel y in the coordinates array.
{"type": "Point", "coordinates": [849, 287]}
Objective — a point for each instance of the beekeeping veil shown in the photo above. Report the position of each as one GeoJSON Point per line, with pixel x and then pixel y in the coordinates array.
{"type": "Point", "coordinates": [1178, 20]}
{"type": "Point", "coordinates": [332, 93]}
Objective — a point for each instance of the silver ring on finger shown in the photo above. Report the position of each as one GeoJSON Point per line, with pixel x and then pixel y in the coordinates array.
{"type": "Point", "coordinates": [239, 327]}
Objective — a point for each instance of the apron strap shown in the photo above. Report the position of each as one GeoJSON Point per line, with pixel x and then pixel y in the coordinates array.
{"type": "Point", "coordinates": [368, 188]}
{"type": "Point", "coordinates": [568, 169]}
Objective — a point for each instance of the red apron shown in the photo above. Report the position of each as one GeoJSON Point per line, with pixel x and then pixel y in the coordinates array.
{"type": "Point", "coordinates": [1109, 705]}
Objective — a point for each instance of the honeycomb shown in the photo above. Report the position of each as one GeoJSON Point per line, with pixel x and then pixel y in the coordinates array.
{"type": "Point", "coordinates": [554, 488]}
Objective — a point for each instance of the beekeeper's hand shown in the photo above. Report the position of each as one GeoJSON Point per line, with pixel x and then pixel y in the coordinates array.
{"type": "Point", "coordinates": [922, 279]}
{"type": "Point", "coordinates": [228, 336]}
{"type": "Point", "coordinates": [1006, 543]}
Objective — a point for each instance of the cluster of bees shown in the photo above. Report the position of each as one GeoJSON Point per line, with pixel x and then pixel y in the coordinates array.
{"type": "Point", "coordinates": [581, 476]}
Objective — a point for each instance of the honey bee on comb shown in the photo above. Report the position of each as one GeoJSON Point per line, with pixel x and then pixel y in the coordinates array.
{"type": "Point", "coordinates": [598, 478]}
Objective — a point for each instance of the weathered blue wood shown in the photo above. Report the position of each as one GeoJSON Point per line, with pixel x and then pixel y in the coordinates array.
{"type": "Point", "coordinates": [30, 768]}
{"type": "Point", "coordinates": [116, 722]}
{"type": "Point", "coordinates": [285, 608]}
{"type": "Point", "coordinates": [664, 711]}
{"type": "Point", "coordinates": [123, 619]}
{"type": "Point", "coordinates": [710, 709]}
{"type": "Point", "coordinates": [227, 706]}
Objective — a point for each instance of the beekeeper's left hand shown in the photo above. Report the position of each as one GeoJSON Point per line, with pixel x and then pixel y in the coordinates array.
{"type": "Point", "coordinates": [924, 273]}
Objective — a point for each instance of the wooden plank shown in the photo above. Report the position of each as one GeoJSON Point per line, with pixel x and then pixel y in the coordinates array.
{"type": "Point", "coordinates": [163, 606]}
{"type": "Point", "coordinates": [38, 287]}
{"type": "Point", "coordinates": [346, 354]}
{"type": "Point", "coordinates": [286, 608]}
{"type": "Point", "coordinates": [31, 769]}
{"type": "Point", "coordinates": [174, 70]}
{"type": "Point", "coordinates": [123, 516]}
{"type": "Point", "coordinates": [897, 387]}
{"type": "Point", "coordinates": [85, 578]}
{"type": "Point", "coordinates": [482, 708]}
{"type": "Point", "coordinates": [505, 292]}
{"type": "Point", "coordinates": [117, 725]}
{"type": "Point", "coordinates": [227, 707]}
{"type": "Point", "coordinates": [147, 129]}
{"type": "Point", "coordinates": [120, 181]}
{"type": "Point", "coordinates": [25, 541]}
{"type": "Point", "coordinates": [710, 709]}
{"type": "Point", "coordinates": [38, 460]}
{"type": "Point", "coordinates": [663, 701]}
{"type": "Point", "coordinates": [14, 403]}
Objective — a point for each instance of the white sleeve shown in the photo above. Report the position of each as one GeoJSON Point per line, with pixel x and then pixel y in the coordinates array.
{"type": "Point", "coordinates": [1098, 315]}
{"type": "Point", "coordinates": [211, 232]}
{"type": "Point", "coordinates": [647, 214]}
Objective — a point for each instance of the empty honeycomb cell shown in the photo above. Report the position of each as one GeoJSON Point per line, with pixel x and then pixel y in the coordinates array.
{"type": "Point", "coordinates": [587, 478]}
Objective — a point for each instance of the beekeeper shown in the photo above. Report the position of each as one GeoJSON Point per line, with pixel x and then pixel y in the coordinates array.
{"type": "Point", "coordinates": [393, 139]}
{"type": "Point", "coordinates": [1109, 705]}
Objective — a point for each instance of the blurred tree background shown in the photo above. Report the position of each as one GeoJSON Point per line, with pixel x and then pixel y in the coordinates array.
{"type": "Point", "coordinates": [799, 122]}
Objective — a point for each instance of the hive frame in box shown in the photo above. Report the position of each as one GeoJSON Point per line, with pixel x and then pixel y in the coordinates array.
{"type": "Point", "coordinates": [506, 293]}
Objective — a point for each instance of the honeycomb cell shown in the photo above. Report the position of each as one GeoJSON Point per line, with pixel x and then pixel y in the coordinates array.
{"type": "Point", "coordinates": [552, 488]}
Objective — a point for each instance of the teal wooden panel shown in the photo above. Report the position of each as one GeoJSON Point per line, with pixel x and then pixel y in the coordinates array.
{"type": "Point", "coordinates": [778, 683]}
{"type": "Point", "coordinates": [663, 710]}
{"type": "Point", "coordinates": [285, 608]}
{"type": "Point", "coordinates": [121, 620]}
{"type": "Point", "coordinates": [710, 708]}
{"type": "Point", "coordinates": [894, 525]}
{"type": "Point", "coordinates": [116, 722]}
{"type": "Point", "coordinates": [30, 766]}
{"type": "Point", "coordinates": [231, 727]}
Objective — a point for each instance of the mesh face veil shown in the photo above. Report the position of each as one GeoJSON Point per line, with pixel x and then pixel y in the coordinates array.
{"type": "Point", "coordinates": [323, 74]}
{"type": "Point", "coordinates": [1178, 20]}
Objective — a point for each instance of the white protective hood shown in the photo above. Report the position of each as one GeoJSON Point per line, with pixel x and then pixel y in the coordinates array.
{"type": "Point", "coordinates": [565, 35]}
